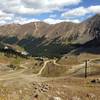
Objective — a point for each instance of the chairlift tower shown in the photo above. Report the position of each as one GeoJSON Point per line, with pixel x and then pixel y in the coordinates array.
{"type": "Point", "coordinates": [86, 66]}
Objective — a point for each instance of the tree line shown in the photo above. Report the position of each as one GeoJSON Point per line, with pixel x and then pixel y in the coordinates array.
{"type": "Point", "coordinates": [10, 52]}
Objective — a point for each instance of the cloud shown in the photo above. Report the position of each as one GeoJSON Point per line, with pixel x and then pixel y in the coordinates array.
{"type": "Point", "coordinates": [4, 17]}
{"type": "Point", "coordinates": [94, 9]}
{"type": "Point", "coordinates": [2, 13]}
{"type": "Point", "coordinates": [22, 11]}
{"type": "Point", "coordinates": [16, 11]}
{"type": "Point", "coordinates": [49, 3]}
{"type": "Point", "coordinates": [54, 21]}
{"type": "Point", "coordinates": [2, 22]}
{"type": "Point", "coordinates": [34, 6]}
{"type": "Point", "coordinates": [20, 20]}
{"type": "Point", "coordinates": [17, 20]}
{"type": "Point", "coordinates": [82, 11]}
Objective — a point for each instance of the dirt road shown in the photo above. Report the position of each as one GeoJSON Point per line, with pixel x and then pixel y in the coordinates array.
{"type": "Point", "coordinates": [20, 73]}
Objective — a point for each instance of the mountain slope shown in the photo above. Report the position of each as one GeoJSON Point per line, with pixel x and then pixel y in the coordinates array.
{"type": "Point", "coordinates": [39, 38]}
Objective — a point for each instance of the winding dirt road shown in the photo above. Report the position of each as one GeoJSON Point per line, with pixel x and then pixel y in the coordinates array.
{"type": "Point", "coordinates": [45, 63]}
{"type": "Point", "coordinates": [55, 62]}
{"type": "Point", "coordinates": [20, 73]}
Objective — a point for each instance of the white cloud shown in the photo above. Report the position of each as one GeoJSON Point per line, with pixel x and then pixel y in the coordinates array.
{"type": "Point", "coordinates": [21, 20]}
{"type": "Point", "coordinates": [4, 17]}
{"type": "Point", "coordinates": [73, 20]}
{"type": "Point", "coordinates": [2, 22]}
{"type": "Point", "coordinates": [2, 13]}
{"type": "Point", "coordinates": [82, 11]}
{"type": "Point", "coordinates": [24, 20]}
{"type": "Point", "coordinates": [49, 3]}
{"type": "Point", "coordinates": [14, 11]}
{"type": "Point", "coordinates": [94, 9]}
{"type": "Point", "coordinates": [54, 21]}
{"type": "Point", "coordinates": [35, 6]}
{"type": "Point", "coordinates": [17, 20]}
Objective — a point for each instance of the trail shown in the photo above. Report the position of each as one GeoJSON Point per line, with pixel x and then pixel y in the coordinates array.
{"type": "Point", "coordinates": [19, 74]}
{"type": "Point", "coordinates": [76, 67]}
{"type": "Point", "coordinates": [54, 61]}
{"type": "Point", "coordinates": [24, 65]}
{"type": "Point", "coordinates": [14, 74]}
{"type": "Point", "coordinates": [36, 77]}
{"type": "Point", "coordinates": [45, 63]}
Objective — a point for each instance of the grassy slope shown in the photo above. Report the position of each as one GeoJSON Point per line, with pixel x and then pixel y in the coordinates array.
{"type": "Point", "coordinates": [33, 65]}
{"type": "Point", "coordinates": [52, 70]}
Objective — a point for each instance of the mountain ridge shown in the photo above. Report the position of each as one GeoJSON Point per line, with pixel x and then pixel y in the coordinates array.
{"type": "Point", "coordinates": [40, 35]}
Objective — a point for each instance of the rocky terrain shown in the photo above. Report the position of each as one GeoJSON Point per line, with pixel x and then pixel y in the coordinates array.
{"type": "Point", "coordinates": [63, 30]}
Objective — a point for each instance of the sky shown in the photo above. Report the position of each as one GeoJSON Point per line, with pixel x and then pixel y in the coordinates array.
{"type": "Point", "coordinates": [49, 11]}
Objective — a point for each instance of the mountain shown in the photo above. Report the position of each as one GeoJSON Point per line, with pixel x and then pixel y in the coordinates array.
{"type": "Point", "coordinates": [39, 38]}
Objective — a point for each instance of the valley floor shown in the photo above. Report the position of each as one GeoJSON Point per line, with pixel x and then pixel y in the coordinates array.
{"type": "Point", "coordinates": [38, 80]}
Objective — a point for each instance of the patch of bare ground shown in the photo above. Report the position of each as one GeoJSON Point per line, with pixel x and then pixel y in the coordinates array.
{"type": "Point", "coordinates": [68, 88]}
{"type": "Point", "coordinates": [76, 59]}
{"type": "Point", "coordinates": [71, 88]}
{"type": "Point", "coordinates": [54, 70]}
{"type": "Point", "coordinates": [25, 84]}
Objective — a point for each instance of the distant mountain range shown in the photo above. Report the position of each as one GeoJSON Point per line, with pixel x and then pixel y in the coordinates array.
{"type": "Point", "coordinates": [42, 39]}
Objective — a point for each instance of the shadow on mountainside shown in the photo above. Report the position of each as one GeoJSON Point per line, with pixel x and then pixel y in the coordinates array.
{"type": "Point", "coordinates": [52, 48]}
{"type": "Point", "coordinates": [43, 47]}
{"type": "Point", "coordinates": [92, 47]}
{"type": "Point", "coordinates": [9, 40]}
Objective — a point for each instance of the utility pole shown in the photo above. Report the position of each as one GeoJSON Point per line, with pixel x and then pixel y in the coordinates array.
{"type": "Point", "coordinates": [86, 66]}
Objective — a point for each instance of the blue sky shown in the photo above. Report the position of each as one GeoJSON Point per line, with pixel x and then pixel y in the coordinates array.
{"type": "Point", "coordinates": [49, 11]}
